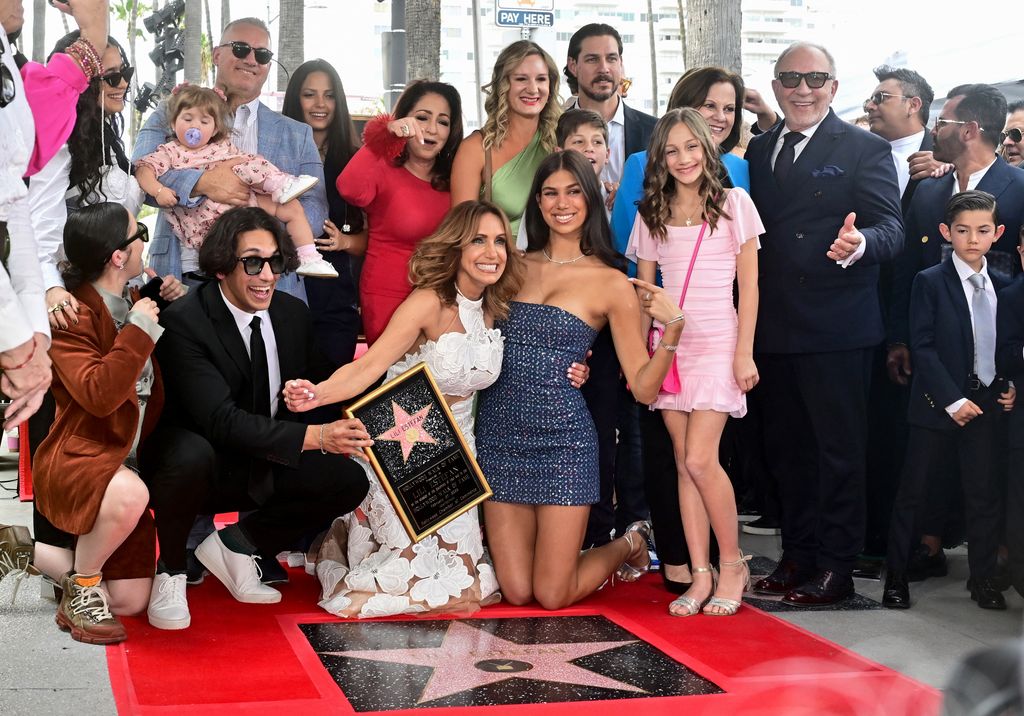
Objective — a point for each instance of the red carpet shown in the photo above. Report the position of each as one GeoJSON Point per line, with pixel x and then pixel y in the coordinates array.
{"type": "Point", "coordinates": [253, 659]}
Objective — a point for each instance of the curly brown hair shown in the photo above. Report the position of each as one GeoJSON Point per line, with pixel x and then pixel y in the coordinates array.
{"type": "Point", "coordinates": [660, 186]}
{"type": "Point", "coordinates": [435, 263]}
{"type": "Point", "coordinates": [495, 128]}
{"type": "Point", "coordinates": [201, 99]}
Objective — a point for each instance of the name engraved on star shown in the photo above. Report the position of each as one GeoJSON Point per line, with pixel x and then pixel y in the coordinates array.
{"type": "Point", "coordinates": [419, 455]}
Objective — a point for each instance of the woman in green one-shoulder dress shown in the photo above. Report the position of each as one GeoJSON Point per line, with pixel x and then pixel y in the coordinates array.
{"type": "Point", "coordinates": [498, 162]}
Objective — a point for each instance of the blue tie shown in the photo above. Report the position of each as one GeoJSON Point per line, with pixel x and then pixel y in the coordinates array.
{"type": "Point", "coordinates": [984, 331]}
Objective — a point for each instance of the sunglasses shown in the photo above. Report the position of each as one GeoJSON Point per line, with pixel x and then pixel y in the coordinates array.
{"type": "Point", "coordinates": [1015, 135]}
{"type": "Point", "coordinates": [114, 78]}
{"type": "Point", "coordinates": [879, 97]}
{"type": "Point", "coordinates": [7, 90]}
{"type": "Point", "coordinates": [253, 265]}
{"type": "Point", "coordinates": [141, 233]}
{"type": "Point", "coordinates": [814, 80]}
{"type": "Point", "coordinates": [241, 50]}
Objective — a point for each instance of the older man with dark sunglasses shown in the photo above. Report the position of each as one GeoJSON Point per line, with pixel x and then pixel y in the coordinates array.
{"type": "Point", "coordinates": [827, 194]}
{"type": "Point", "coordinates": [1012, 148]}
{"type": "Point", "coordinates": [226, 441]}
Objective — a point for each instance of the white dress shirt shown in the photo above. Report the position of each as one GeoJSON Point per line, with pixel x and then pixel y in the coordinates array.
{"type": "Point", "coordinates": [965, 272]}
{"type": "Point", "coordinates": [798, 149]}
{"type": "Point", "coordinates": [973, 180]}
{"type": "Point", "coordinates": [616, 141]}
{"type": "Point", "coordinates": [902, 148]}
{"type": "Point", "coordinates": [243, 320]}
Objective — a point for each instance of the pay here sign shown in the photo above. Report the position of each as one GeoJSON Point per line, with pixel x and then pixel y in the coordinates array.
{"type": "Point", "coordinates": [524, 13]}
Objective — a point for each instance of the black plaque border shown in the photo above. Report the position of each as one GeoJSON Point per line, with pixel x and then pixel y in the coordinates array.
{"type": "Point", "coordinates": [383, 393]}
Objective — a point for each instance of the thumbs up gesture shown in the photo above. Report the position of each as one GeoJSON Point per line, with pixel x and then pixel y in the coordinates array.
{"type": "Point", "coordinates": [847, 242]}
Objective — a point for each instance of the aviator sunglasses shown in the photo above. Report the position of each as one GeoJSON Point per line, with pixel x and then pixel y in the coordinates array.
{"type": "Point", "coordinates": [241, 50]}
{"type": "Point", "coordinates": [814, 80]}
{"type": "Point", "coordinates": [114, 77]}
{"type": "Point", "coordinates": [1015, 135]}
{"type": "Point", "coordinates": [253, 265]}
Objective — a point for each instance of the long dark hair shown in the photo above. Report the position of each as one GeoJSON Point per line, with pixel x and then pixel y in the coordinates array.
{"type": "Point", "coordinates": [595, 236]}
{"type": "Point", "coordinates": [91, 129]}
{"type": "Point", "coordinates": [91, 235]}
{"type": "Point", "coordinates": [440, 177]}
{"type": "Point", "coordinates": [341, 134]}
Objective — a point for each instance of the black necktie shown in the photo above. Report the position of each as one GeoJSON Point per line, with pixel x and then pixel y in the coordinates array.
{"type": "Point", "coordinates": [261, 482]}
{"type": "Point", "coordinates": [787, 155]}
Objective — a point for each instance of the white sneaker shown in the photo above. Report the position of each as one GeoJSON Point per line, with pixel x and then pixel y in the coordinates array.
{"type": "Point", "coordinates": [168, 608]}
{"type": "Point", "coordinates": [317, 268]}
{"type": "Point", "coordinates": [294, 188]}
{"type": "Point", "coordinates": [238, 572]}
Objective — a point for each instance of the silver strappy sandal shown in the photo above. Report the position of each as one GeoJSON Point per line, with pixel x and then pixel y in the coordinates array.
{"type": "Point", "coordinates": [729, 607]}
{"type": "Point", "coordinates": [691, 605]}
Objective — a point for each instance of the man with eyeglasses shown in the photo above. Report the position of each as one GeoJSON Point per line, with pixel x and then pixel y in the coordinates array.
{"type": "Point", "coordinates": [827, 194]}
{"type": "Point", "coordinates": [226, 441]}
{"type": "Point", "coordinates": [966, 134]}
{"type": "Point", "coordinates": [1012, 148]}
{"type": "Point", "coordinates": [242, 58]}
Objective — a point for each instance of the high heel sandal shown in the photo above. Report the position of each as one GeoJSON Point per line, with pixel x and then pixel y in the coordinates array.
{"type": "Point", "coordinates": [630, 572]}
{"type": "Point", "coordinates": [729, 607]}
{"type": "Point", "coordinates": [692, 605]}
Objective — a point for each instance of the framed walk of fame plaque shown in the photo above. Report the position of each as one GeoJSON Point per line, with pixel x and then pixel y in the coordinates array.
{"type": "Point", "coordinates": [418, 452]}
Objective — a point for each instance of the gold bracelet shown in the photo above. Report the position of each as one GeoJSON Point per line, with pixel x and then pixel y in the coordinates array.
{"type": "Point", "coordinates": [322, 426]}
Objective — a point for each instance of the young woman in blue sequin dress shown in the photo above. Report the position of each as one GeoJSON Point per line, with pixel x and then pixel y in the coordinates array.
{"type": "Point", "coordinates": [535, 438]}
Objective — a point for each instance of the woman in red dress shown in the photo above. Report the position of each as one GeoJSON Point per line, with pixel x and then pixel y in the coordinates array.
{"type": "Point", "coordinates": [400, 180]}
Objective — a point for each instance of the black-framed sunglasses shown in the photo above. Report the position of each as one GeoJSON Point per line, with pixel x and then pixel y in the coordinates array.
{"type": "Point", "coordinates": [241, 50]}
{"type": "Point", "coordinates": [141, 233]}
{"type": "Point", "coordinates": [1015, 135]}
{"type": "Point", "coordinates": [814, 80]}
{"type": "Point", "coordinates": [7, 89]}
{"type": "Point", "coordinates": [253, 265]}
{"type": "Point", "coordinates": [114, 77]}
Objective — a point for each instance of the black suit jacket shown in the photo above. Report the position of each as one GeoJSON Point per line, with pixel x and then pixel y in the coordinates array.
{"type": "Point", "coordinates": [927, 144]}
{"type": "Point", "coordinates": [924, 242]}
{"type": "Point", "coordinates": [1010, 331]}
{"type": "Point", "coordinates": [637, 128]}
{"type": "Point", "coordinates": [942, 343]}
{"type": "Point", "coordinates": [808, 303]}
{"type": "Point", "coordinates": [208, 379]}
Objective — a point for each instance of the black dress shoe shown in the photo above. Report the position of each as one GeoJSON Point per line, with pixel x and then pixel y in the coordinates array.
{"type": "Point", "coordinates": [787, 575]}
{"type": "Point", "coordinates": [271, 570]}
{"type": "Point", "coordinates": [986, 593]}
{"type": "Point", "coordinates": [922, 565]}
{"type": "Point", "coordinates": [896, 594]}
{"type": "Point", "coordinates": [672, 585]}
{"type": "Point", "coordinates": [825, 589]}
{"type": "Point", "coordinates": [868, 567]}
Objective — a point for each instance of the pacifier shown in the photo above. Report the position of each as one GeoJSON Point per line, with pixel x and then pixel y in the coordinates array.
{"type": "Point", "coordinates": [193, 137]}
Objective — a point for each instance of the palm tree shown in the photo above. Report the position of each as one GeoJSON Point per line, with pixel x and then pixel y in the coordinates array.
{"type": "Point", "coordinates": [713, 34]}
{"type": "Point", "coordinates": [193, 41]}
{"type": "Point", "coordinates": [423, 39]}
{"type": "Point", "coordinates": [654, 58]}
{"type": "Point", "coordinates": [291, 52]}
{"type": "Point", "coordinates": [225, 12]}
{"type": "Point", "coordinates": [38, 30]}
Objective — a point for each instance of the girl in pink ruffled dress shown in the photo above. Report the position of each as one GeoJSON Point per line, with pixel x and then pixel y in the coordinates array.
{"type": "Point", "coordinates": [682, 193]}
{"type": "Point", "coordinates": [200, 118]}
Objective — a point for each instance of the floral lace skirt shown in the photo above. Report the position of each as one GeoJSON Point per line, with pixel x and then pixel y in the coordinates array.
{"type": "Point", "coordinates": [368, 566]}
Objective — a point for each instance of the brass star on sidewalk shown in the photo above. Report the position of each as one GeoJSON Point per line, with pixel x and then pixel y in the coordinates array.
{"type": "Point", "coordinates": [470, 657]}
{"type": "Point", "coordinates": [408, 429]}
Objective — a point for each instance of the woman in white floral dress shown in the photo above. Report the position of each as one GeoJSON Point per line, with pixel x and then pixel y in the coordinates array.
{"type": "Point", "coordinates": [464, 277]}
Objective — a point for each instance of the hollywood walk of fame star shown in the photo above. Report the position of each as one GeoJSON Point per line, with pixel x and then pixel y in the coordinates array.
{"type": "Point", "coordinates": [408, 430]}
{"type": "Point", "coordinates": [470, 657]}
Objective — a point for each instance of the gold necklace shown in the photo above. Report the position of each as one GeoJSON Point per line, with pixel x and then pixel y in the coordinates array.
{"type": "Point", "coordinates": [561, 263]}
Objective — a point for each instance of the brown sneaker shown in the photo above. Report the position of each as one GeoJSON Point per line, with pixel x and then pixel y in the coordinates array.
{"type": "Point", "coordinates": [16, 550]}
{"type": "Point", "coordinates": [83, 611]}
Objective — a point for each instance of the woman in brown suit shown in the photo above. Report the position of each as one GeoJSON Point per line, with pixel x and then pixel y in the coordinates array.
{"type": "Point", "coordinates": [108, 394]}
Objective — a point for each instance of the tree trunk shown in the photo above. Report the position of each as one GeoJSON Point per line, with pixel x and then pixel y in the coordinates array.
{"type": "Point", "coordinates": [654, 59]}
{"type": "Point", "coordinates": [136, 116]}
{"type": "Point", "coordinates": [423, 39]}
{"type": "Point", "coordinates": [208, 45]}
{"type": "Point", "coordinates": [194, 41]}
{"type": "Point", "coordinates": [38, 31]}
{"type": "Point", "coordinates": [291, 51]}
{"type": "Point", "coordinates": [713, 34]}
{"type": "Point", "coordinates": [225, 15]}
{"type": "Point", "coordinates": [682, 31]}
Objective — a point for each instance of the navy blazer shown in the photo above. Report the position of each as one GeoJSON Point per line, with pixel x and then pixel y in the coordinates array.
{"type": "Point", "coordinates": [209, 380]}
{"type": "Point", "coordinates": [924, 242]}
{"type": "Point", "coordinates": [637, 129]}
{"type": "Point", "coordinates": [808, 303]}
{"type": "Point", "coordinates": [942, 343]}
{"type": "Point", "coordinates": [1010, 331]}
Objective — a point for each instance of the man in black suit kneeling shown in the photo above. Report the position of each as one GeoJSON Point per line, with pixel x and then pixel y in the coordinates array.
{"type": "Point", "coordinates": [226, 442]}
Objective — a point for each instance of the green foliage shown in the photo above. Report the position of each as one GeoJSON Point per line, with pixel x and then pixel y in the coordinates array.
{"type": "Point", "coordinates": [122, 10]}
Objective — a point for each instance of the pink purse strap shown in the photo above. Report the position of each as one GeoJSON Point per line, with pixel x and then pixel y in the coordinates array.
{"type": "Point", "coordinates": [693, 260]}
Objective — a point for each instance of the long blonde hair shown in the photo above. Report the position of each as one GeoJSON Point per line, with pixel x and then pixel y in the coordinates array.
{"type": "Point", "coordinates": [434, 265]}
{"type": "Point", "coordinates": [660, 186]}
{"type": "Point", "coordinates": [495, 128]}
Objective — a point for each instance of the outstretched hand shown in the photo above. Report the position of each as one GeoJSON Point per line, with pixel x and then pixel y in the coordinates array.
{"type": "Point", "coordinates": [655, 303]}
{"type": "Point", "coordinates": [300, 396]}
{"type": "Point", "coordinates": [847, 241]}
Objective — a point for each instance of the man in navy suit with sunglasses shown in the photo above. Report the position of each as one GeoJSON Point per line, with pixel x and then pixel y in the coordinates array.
{"type": "Point", "coordinates": [828, 196]}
